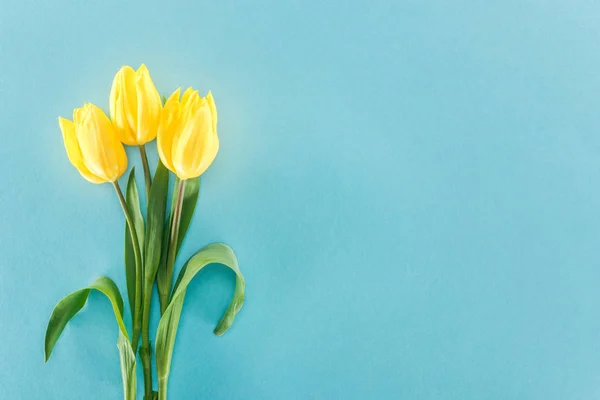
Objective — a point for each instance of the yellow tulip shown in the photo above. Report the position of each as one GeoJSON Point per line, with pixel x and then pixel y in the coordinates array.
{"type": "Point", "coordinates": [93, 146]}
{"type": "Point", "coordinates": [135, 106]}
{"type": "Point", "coordinates": [187, 134]}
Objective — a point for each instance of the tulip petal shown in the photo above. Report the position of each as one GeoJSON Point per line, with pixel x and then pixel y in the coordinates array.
{"type": "Point", "coordinates": [174, 97]}
{"type": "Point", "coordinates": [169, 123]}
{"type": "Point", "coordinates": [103, 153]}
{"type": "Point", "coordinates": [123, 105]}
{"type": "Point", "coordinates": [74, 152]}
{"type": "Point", "coordinates": [149, 106]}
{"type": "Point", "coordinates": [187, 95]}
{"type": "Point", "coordinates": [189, 144]}
{"type": "Point", "coordinates": [213, 109]}
{"type": "Point", "coordinates": [209, 153]}
{"type": "Point", "coordinates": [189, 107]}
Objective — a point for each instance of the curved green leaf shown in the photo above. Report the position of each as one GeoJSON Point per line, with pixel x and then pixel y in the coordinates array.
{"type": "Point", "coordinates": [167, 327]}
{"type": "Point", "coordinates": [70, 305]}
{"type": "Point", "coordinates": [133, 203]}
{"type": "Point", "coordinates": [216, 253]}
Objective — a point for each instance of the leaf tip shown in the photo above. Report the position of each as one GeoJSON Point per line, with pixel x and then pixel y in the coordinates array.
{"type": "Point", "coordinates": [219, 332]}
{"type": "Point", "coordinates": [223, 326]}
{"type": "Point", "coordinates": [47, 349]}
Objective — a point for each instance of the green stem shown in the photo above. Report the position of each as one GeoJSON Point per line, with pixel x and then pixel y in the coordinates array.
{"type": "Point", "coordinates": [161, 280]}
{"type": "Point", "coordinates": [172, 251]}
{"type": "Point", "coordinates": [138, 268]}
{"type": "Point", "coordinates": [162, 389]}
{"type": "Point", "coordinates": [147, 175]}
{"type": "Point", "coordinates": [146, 349]}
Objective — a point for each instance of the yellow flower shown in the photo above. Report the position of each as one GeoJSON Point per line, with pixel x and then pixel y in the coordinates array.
{"type": "Point", "coordinates": [92, 145]}
{"type": "Point", "coordinates": [187, 134]}
{"type": "Point", "coordinates": [135, 106]}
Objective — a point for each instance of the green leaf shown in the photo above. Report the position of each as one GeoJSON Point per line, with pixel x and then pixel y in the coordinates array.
{"type": "Point", "coordinates": [128, 363]}
{"type": "Point", "coordinates": [191, 192]}
{"type": "Point", "coordinates": [167, 327]}
{"type": "Point", "coordinates": [156, 221]}
{"type": "Point", "coordinates": [165, 272]}
{"type": "Point", "coordinates": [216, 253]}
{"type": "Point", "coordinates": [70, 305]}
{"type": "Point", "coordinates": [190, 198]}
{"type": "Point", "coordinates": [163, 281]}
{"type": "Point", "coordinates": [133, 203]}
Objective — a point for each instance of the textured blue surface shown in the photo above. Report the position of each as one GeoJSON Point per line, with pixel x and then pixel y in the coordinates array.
{"type": "Point", "coordinates": [412, 188]}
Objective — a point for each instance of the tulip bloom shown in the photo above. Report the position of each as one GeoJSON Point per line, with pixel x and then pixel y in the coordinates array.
{"type": "Point", "coordinates": [92, 145]}
{"type": "Point", "coordinates": [135, 106]}
{"type": "Point", "coordinates": [187, 134]}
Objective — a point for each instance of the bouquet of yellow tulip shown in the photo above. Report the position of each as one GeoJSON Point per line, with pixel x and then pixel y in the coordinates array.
{"type": "Point", "coordinates": [186, 131]}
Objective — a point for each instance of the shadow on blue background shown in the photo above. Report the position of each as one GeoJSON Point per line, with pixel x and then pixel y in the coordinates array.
{"type": "Point", "coordinates": [412, 189]}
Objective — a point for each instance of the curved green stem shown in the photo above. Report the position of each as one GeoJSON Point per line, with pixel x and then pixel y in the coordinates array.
{"type": "Point", "coordinates": [147, 175]}
{"type": "Point", "coordinates": [137, 317]}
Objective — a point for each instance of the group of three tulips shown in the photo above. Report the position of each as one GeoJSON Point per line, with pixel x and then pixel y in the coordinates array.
{"type": "Point", "coordinates": [185, 127]}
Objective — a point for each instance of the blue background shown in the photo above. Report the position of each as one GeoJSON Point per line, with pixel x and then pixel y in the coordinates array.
{"type": "Point", "coordinates": [412, 188]}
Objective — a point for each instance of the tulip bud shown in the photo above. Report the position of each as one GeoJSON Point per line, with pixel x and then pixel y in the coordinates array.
{"type": "Point", "coordinates": [92, 145]}
{"type": "Point", "coordinates": [135, 106]}
{"type": "Point", "coordinates": [187, 134]}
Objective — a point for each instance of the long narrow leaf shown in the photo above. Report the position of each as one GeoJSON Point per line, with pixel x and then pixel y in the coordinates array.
{"type": "Point", "coordinates": [156, 221]}
{"type": "Point", "coordinates": [133, 203]}
{"type": "Point", "coordinates": [70, 305]}
{"type": "Point", "coordinates": [165, 341]}
{"type": "Point", "coordinates": [127, 367]}
{"type": "Point", "coordinates": [167, 327]}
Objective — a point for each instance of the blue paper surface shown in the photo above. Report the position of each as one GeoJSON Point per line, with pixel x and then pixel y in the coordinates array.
{"type": "Point", "coordinates": [412, 189]}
